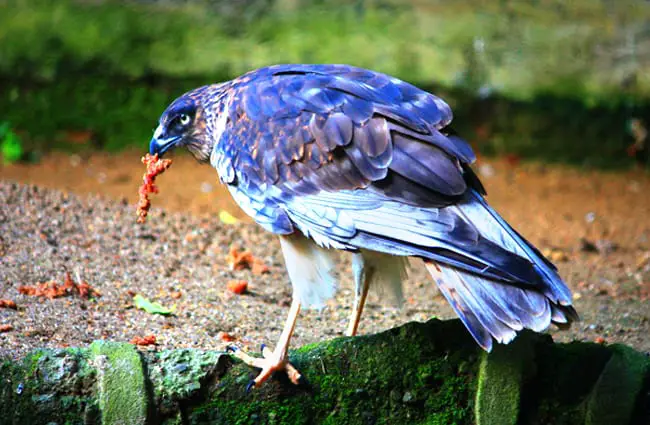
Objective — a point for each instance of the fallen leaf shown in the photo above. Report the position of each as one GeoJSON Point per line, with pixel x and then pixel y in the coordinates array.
{"type": "Point", "coordinates": [82, 287]}
{"type": "Point", "coordinates": [176, 295]}
{"type": "Point", "coordinates": [8, 304]}
{"type": "Point", "coordinates": [143, 341]}
{"type": "Point", "coordinates": [53, 290]}
{"type": "Point", "coordinates": [599, 340]}
{"type": "Point", "coordinates": [643, 261]}
{"type": "Point", "coordinates": [237, 286]}
{"type": "Point", "coordinates": [260, 268]}
{"type": "Point", "coordinates": [152, 307]}
{"type": "Point", "coordinates": [245, 260]}
{"type": "Point", "coordinates": [227, 218]}
{"type": "Point", "coordinates": [239, 260]}
{"type": "Point", "coordinates": [49, 290]}
{"type": "Point", "coordinates": [555, 255]}
{"type": "Point", "coordinates": [225, 336]}
{"type": "Point", "coordinates": [6, 328]}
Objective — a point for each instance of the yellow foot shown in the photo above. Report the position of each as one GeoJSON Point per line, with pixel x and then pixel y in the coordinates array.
{"type": "Point", "coordinates": [271, 362]}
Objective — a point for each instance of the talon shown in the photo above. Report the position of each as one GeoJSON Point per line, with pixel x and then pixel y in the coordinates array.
{"type": "Point", "coordinates": [303, 382]}
{"type": "Point", "coordinates": [250, 386]}
{"type": "Point", "coordinates": [273, 360]}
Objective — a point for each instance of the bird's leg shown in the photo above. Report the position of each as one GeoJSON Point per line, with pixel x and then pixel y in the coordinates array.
{"type": "Point", "coordinates": [362, 277]}
{"type": "Point", "coordinates": [277, 359]}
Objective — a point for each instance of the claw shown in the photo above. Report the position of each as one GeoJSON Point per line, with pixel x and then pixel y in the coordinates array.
{"type": "Point", "coordinates": [303, 382]}
{"type": "Point", "coordinates": [250, 386]}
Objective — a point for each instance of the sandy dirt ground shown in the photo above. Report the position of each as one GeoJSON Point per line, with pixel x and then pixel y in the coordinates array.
{"type": "Point", "coordinates": [76, 214]}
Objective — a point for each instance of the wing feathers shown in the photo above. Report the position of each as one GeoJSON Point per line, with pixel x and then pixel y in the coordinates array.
{"type": "Point", "coordinates": [427, 165]}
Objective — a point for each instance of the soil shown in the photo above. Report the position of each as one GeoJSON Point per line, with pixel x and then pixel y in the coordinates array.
{"type": "Point", "coordinates": [77, 214]}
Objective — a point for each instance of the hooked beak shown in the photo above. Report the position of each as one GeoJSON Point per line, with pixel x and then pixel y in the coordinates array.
{"type": "Point", "coordinates": [160, 144]}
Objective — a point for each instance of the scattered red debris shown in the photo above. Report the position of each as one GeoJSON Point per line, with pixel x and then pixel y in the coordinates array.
{"type": "Point", "coordinates": [226, 337]}
{"type": "Point", "coordinates": [259, 267]}
{"type": "Point", "coordinates": [155, 166]}
{"type": "Point", "coordinates": [245, 260]}
{"type": "Point", "coordinates": [239, 260]}
{"type": "Point", "coordinates": [237, 286]}
{"type": "Point", "coordinates": [53, 290]}
{"type": "Point", "coordinates": [599, 340]}
{"type": "Point", "coordinates": [82, 287]}
{"type": "Point", "coordinates": [144, 341]}
{"type": "Point", "coordinates": [49, 290]}
{"type": "Point", "coordinates": [8, 304]}
{"type": "Point", "coordinates": [6, 328]}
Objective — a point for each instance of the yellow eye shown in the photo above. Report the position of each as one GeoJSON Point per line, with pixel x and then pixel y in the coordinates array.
{"type": "Point", "coordinates": [184, 119]}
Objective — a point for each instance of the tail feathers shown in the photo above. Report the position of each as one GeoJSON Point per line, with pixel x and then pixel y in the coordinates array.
{"type": "Point", "coordinates": [494, 310]}
{"type": "Point", "coordinates": [495, 228]}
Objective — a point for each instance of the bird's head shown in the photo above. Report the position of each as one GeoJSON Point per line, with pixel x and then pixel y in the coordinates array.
{"type": "Point", "coordinates": [183, 124]}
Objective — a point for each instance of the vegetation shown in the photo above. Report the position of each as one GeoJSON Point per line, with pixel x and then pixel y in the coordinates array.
{"type": "Point", "coordinates": [110, 69]}
{"type": "Point", "coordinates": [11, 147]}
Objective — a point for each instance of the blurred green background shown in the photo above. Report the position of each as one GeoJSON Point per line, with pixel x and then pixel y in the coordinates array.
{"type": "Point", "coordinates": [562, 81]}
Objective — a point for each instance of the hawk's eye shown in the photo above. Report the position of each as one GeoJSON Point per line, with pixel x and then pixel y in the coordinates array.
{"type": "Point", "coordinates": [184, 119]}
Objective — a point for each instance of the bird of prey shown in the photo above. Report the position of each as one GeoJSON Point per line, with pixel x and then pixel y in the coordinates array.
{"type": "Point", "coordinates": [335, 157]}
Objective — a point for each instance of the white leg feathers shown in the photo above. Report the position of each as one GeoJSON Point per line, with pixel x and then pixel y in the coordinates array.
{"type": "Point", "coordinates": [310, 269]}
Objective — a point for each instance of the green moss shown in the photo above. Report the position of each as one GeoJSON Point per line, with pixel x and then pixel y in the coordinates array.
{"type": "Point", "coordinates": [123, 396]}
{"type": "Point", "coordinates": [48, 386]}
{"type": "Point", "coordinates": [419, 373]}
{"type": "Point", "coordinates": [501, 379]}
{"type": "Point", "coordinates": [566, 373]}
{"type": "Point", "coordinates": [183, 375]}
{"type": "Point", "coordinates": [613, 399]}
{"type": "Point", "coordinates": [416, 374]}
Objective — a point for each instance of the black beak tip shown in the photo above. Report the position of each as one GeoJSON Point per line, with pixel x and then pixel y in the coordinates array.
{"type": "Point", "coordinates": [154, 147]}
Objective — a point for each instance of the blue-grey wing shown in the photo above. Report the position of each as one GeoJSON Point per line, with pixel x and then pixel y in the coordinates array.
{"type": "Point", "coordinates": [357, 159]}
{"type": "Point", "coordinates": [333, 127]}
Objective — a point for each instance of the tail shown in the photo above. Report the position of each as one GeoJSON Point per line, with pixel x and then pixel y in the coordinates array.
{"type": "Point", "coordinates": [496, 310]}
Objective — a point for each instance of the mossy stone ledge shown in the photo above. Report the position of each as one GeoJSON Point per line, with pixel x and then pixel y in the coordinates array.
{"type": "Point", "coordinates": [420, 373]}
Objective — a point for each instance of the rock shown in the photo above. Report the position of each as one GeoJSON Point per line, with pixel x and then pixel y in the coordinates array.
{"type": "Point", "coordinates": [417, 373]}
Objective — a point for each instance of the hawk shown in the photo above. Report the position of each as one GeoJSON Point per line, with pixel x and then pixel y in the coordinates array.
{"type": "Point", "coordinates": [335, 157]}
